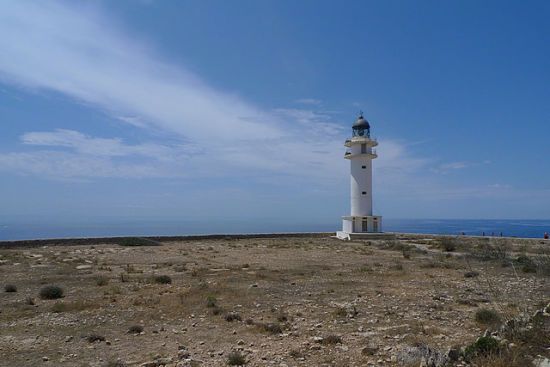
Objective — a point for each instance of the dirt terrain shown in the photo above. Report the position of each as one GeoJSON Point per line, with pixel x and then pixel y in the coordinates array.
{"type": "Point", "coordinates": [282, 301]}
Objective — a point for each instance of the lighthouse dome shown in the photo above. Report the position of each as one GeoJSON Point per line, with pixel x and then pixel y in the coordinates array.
{"type": "Point", "coordinates": [361, 123]}
{"type": "Point", "coordinates": [361, 127]}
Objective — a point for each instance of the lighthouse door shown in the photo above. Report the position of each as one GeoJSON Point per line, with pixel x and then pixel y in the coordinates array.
{"type": "Point", "coordinates": [364, 226]}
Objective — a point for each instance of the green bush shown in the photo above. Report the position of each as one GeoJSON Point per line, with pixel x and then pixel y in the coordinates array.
{"type": "Point", "coordinates": [92, 338]}
{"type": "Point", "coordinates": [51, 292]}
{"type": "Point", "coordinates": [482, 347]}
{"type": "Point", "coordinates": [487, 316]}
{"type": "Point", "coordinates": [233, 316]}
{"type": "Point", "coordinates": [135, 329]}
{"type": "Point", "coordinates": [101, 280]}
{"type": "Point", "coordinates": [235, 358]}
{"type": "Point", "coordinates": [331, 340]}
{"type": "Point", "coordinates": [211, 301]}
{"type": "Point", "coordinates": [448, 244]}
{"type": "Point", "coordinates": [162, 279]}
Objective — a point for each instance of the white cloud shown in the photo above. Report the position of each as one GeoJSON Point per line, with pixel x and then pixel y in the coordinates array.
{"type": "Point", "coordinates": [77, 51]}
{"type": "Point", "coordinates": [105, 147]}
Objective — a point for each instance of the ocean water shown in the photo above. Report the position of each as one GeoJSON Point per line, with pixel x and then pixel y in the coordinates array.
{"type": "Point", "coordinates": [17, 230]}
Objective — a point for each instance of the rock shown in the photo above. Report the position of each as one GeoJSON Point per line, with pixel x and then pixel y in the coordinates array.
{"type": "Point", "coordinates": [45, 359]}
{"type": "Point", "coordinates": [541, 361]}
{"type": "Point", "coordinates": [83, 267]}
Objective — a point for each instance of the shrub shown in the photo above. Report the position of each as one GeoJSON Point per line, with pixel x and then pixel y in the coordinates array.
{"type": "Point", "coordinates": [233, 316]}
{"type": "Point", "coordinates": [331, 340]}
{"type": "Point", "coordinates": [51, 292]}
{"type": "Point", "coordinates": [162, 279]}
{"type": "Point", "coordinates": [92, 338]}
{"type": "Point", "coordinates": [482, 347]}
{"type": "Point", "coordinates": [282, 317]}
{"type": "Point", "coordinates": [29, 301]}
{"type": "Point", "coordinates": [448, 244]}
{"type": "Point", "coordinates": [137, 241]}
{"type": "Point", "coordinates": [487, 316]}
{"type": "Point", "coordinates": [471, 274]}
{"type": "Point", "coordinates": [211, 301]}
{"type": "Point", "coordinates": [101, 281]}
{"type": "Point", "coordinates": [216, 310]}
{"type": "Point", "coordinates": [10, 288]}
{"type": "Point", "coordinates": [235, 358]}
{"type": "Point", "coordinates": [135, 329]}
{"type": "Point", "coordinates": [273, 328]}
{"type": "Point", "coordinates": [295, 353]}
{"type": "Point", "coordinates": [59, 307]}
{"type": "Point", "coordinates": [528, 265]}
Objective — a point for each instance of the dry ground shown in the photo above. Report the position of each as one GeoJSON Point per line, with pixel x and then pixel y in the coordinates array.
{"type": "Point", "coordinates": [336, 303]}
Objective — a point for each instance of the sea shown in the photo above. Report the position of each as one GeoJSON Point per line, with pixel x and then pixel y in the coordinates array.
{"type": "Point", "coordinates": [40, 229]}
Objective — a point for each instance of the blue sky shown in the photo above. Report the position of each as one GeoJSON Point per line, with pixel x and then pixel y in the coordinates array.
{"type": "Point", "coordinates": [114, 110]}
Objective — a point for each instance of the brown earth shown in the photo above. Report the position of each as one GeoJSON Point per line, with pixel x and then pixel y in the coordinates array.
{"type": "Point", "coordinates": [293, 301]}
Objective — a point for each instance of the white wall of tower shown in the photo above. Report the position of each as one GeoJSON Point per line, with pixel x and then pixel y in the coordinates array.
{"type": "Point", "coordinates": [361, 185]}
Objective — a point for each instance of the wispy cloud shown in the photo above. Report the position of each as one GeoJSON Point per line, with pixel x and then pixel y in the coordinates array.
{"type": "Point", "coordinates": [76, 50]}
{"type": "Point", "coordinates": [105, 147]}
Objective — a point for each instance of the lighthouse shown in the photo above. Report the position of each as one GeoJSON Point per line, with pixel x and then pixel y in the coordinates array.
{"type": "Point", "coordinates": [360, 152]}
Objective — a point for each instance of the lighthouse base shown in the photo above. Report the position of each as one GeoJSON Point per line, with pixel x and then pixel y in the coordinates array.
{"type": "Point", "coordinates": [359, 225]}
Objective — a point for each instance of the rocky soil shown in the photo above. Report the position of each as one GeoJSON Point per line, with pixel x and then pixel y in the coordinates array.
{"type": "Point", "coordinates": [285, 301]}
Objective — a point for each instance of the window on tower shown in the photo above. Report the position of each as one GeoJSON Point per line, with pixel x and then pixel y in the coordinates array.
{"type": "Point", "coordinates": [363, 148]}
{"type": "Point", "coordinates": [364, 193]}
{"type": "Point", "coordinates": [363, 167]}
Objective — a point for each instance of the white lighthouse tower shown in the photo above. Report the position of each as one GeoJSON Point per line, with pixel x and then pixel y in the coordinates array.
{"type": "Point", "coordinates": [360, 153]}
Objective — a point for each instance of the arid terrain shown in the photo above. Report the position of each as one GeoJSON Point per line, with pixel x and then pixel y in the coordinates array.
{"type": "Point", "coordinates": [281, 301]}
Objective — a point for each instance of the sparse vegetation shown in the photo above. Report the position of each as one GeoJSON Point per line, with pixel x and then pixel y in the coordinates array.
{"type": "Point", "coordinates": [307, 289]}
{"type": "Point", "coordinates": [51, 292]}
{"type": "Point", "coordinates": [331, 340]}
{"type": "Point", "coordinates": [448, 244]}
{"type": "Point", "coordinates": [162, 279]}
{"type": "Point", "coordinates": [235, 358]}
{"type": "Point", "coordinates": [101, 280]}
{"type": "Point", "coordinates": [482, 347]}
{"type": "Point", "coordinates": [295, 353]}
{"type": "Point", "coordinates": [272, 327]}
{"type": "Point", "coordinates": [211, 301]}
{"type": "Point", "coordinates": [135, 329]}
{"type": "Point", "coordinates": [471, 274]}
{"type": "Point", "coordinates": [233, 316]}
{"type": "Point", "coordinates": [92, 338]}
{"type": "Point", "coordinates": [487, 316]}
